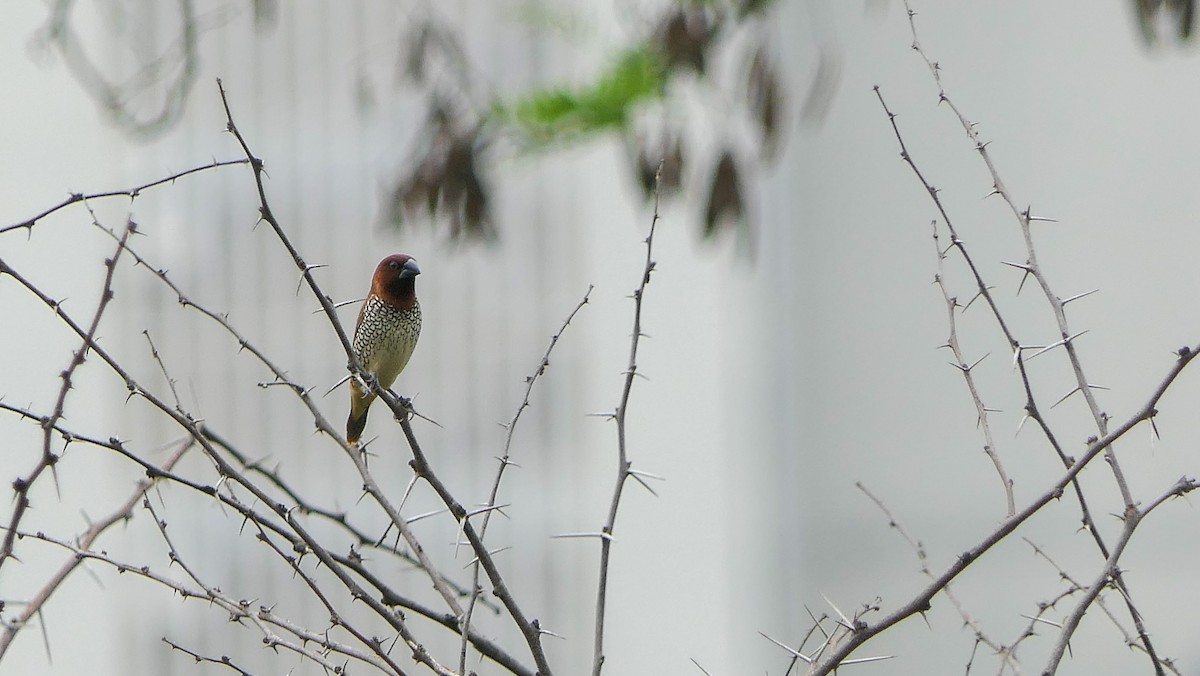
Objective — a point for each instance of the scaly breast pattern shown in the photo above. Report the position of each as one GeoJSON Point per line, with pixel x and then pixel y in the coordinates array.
{"type": "Point", "coordinates": [385, 339]}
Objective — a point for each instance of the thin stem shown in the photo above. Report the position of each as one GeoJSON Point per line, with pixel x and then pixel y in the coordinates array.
{"type": "Point", "coordinates": [48, 459]}
{"type": "Point", "coordinates": [623, 462]}
{"type": "Point", "coordinates": [510, 430]}
{"type": "Point", "coordinates": [920, 603]}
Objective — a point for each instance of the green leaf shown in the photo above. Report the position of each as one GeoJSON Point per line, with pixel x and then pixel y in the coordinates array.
{"type": "Point", "coordinates": [560, 114]}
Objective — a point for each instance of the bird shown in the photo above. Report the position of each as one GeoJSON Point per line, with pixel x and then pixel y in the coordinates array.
{"type": "Point", "coordinates": [385, 335]}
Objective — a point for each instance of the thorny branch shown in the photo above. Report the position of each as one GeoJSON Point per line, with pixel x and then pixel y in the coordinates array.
{"type": "Point", "coordinates": [131, 193]}
{"type": "Point", "coordinates": [1005, 652]}
{"type": "Point", "coordinates": [1097, 445]}
{"type": "Point", "coordinates": [246, 345]}
{"type": "Point", "coordinates": [624, 465]}
{"type": "Point", "coordinates": [1074, 587]}
{"type": "Point", "coordinates": [982, 412]}
{"type": "Point", "coordinates": [192, 427]}
{"type": "Point", "coordinates": [9, 629]}
{"type": "Point", "coordinates": [369, 483]}
{"type": "Point", "coordinates": [273, 507]}
{"type": "Point", "coordinates": [921, 601]}
{"type": "Point", "coordinates": [530, 629]}
{"type": "Point", "coordinates": [1109, 571]}
{"type": "Point", "coordinates": [22, 485]}
{"type": "Point", "coordinates": [402, 410]}
{"type": "Point", "coordinates": [352, 561]}
{"type": "Point", "coordinates": [227, 471]}
{"type": "Point", "coordinates": [505, 461]}
{"type": "Point", "coordinates": [1058, 305]}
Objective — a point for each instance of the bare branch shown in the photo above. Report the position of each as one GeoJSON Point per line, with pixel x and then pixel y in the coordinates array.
{"type": "Point", "coordinates": [504, 463]}
{"type": "Point", "coordinates": [22, 485]}
{"type": "Point", "coordinates": [623, 462]}
{"type": "Point", "coordinates": [131, 193]}
{"type": "Point", "coordinates": [9, 629]}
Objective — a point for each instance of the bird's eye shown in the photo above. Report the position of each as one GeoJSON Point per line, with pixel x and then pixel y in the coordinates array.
{"type": "Point", "coordinates": [393, 265]}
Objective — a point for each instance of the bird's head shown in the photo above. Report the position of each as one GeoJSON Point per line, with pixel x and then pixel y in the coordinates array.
{"type": "Point", "coordinates": [394, 280]}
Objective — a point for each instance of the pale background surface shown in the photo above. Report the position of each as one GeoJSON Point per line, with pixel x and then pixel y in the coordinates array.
{"type": "Point", "coordinates": [773, 385]}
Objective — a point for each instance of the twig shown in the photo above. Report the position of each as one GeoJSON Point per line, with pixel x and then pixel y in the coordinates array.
{"type": "Point", "coordinates": [921, 601]}
{"type": "Point", "coordinates": [369, 484]}
{"type": "Point", "coordinates": [305, 506]}
{"type": "Point", "coordinates": [48, 459]}
{"type": "Point", "coordinates": [223, 467]}
{"type": "Point", "coordinates": [510, 429]}
{"type": "Point", "coordinates": [9, 629]}
{"type": "Point", "coordinates": [620, 414]}
{"type": "Point", "coordinates": [131, 193]}
{"type": "Point", "coordinates": [238, 610]}
{"type": "Point", "coordinates": [981, 411]}
{"type": "Point", "coordinates": [223, 660]}
{"type": "Point", "coordinates": [1058, 306]}
{"type": "Point", "coordinates": [1075, 586]}
{"type": "Point", "coordinates": [388, 596]}
{"type": "Point", "coordinates": [1006, 654]}
{"type": "Point", "coordinates": [335, 618]}
{"type": "Point", "coordinates": [1133, 516]}
{"type": "Point", "coordinates": [530, 629]}
{"type": "Point", "coordinates": [382, 661]}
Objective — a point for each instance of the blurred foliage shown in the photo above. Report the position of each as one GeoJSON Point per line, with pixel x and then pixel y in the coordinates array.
{"type": "Point", "coordinates": [445, 179]}
{"type": "Point", "coordinates": [635, 97]}
{"type": "Point", "coordinates": [150, 97]}
{"type": "Point", "coordinates": [1180, 14]}
{"type": "Point", "coordinates": [560, 113]}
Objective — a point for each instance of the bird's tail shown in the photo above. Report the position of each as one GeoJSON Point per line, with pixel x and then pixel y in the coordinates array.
{"type": "Point", "coordinates": [360, 404]}
{"type": "Point", "coordinates": [355, 426]}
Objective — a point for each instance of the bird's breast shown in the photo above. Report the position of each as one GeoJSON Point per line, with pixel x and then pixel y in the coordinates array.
{"type": "Point", "coordinates": [385, 338]}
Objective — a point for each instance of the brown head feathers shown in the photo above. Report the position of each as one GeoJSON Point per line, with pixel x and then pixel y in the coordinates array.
{"type": "Point", "coordinates": [394, 281]}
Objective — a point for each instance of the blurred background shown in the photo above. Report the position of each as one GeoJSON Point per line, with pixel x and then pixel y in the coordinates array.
{"type": "Point", "coordinates": [793, 327]}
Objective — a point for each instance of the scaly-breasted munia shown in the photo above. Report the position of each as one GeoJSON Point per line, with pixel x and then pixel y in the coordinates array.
{"type": "Point", "coordinates": [386, 333]}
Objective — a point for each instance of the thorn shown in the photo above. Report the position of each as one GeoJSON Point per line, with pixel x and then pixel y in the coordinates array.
{"type": "Point", "coordinates": [1064, 397]}
{"type": "Point", "coordinates": [1022, 284]}
{"type": "Point", "coordinates": [339, 305]}
{"type": "Point", "coordinates": [864, 660]}
{"type": "Point", "coordinates": [791, 651]}
{"type": "Point", "coordinates": [653, 492]}
{"type": "Point", "coordinates": [506, 462]}
{"type": "Point", "coordinates": [977, 296]}
{"type": "Point", "coordinates": [1060, 343]}
{"type": "Point", "coordinates": [475, 560]}
{"type": "Point", "coordinates": [485, 509]}
{"type": "Point", "coordinates": [845, 621]}
{"type": "Point", "coordinates": [1077, 296]}
{"type": "Point", "coordinates": [426, 515]}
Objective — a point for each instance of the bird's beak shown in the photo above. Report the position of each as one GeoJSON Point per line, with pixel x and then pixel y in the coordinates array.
{"type": "Point", "coordinates": [409, 270]}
